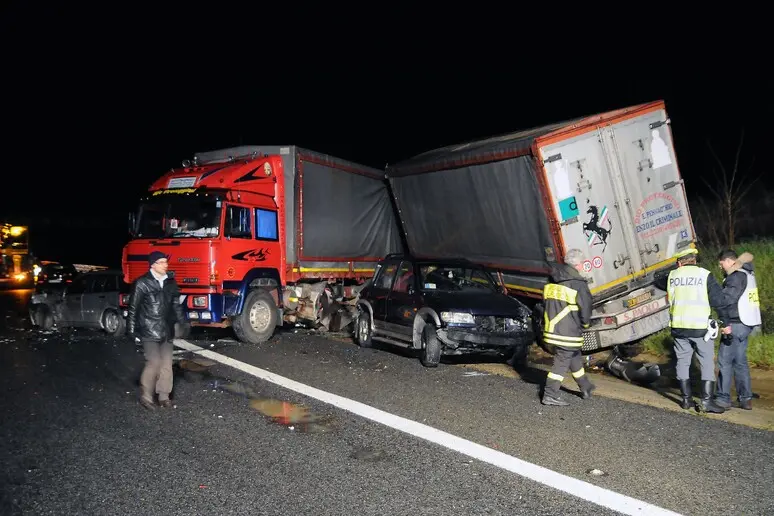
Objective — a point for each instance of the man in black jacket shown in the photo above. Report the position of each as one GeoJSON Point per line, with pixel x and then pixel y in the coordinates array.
{"type": "Point", "coordinates": [154, 307]}
{"type": "Point", "coordinates": [742, 313]}
{"type": "Point", "coordinates": [568, 304]}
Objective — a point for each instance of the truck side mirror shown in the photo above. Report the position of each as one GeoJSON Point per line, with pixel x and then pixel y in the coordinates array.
{"type": "Point", "coordinates": [132, 223]}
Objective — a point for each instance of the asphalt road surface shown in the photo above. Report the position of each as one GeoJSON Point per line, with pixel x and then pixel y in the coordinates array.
{"type": "Point", "coordinates": [75, 440]}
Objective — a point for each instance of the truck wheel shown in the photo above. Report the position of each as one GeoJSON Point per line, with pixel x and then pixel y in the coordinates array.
{"type": "Point", "coordinates": [258, 319]}
{"type": "Point", "coordinates": [363, 330]}
{"type": "Point", "coordinates": [113, 323]}
{"type": "Point", "coordinates": [431, 347]}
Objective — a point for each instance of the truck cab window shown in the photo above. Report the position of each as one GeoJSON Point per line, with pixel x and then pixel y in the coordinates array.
{"type": "Point", "coordinates": [238, 222]}
{"type": "Point", "coordinates": [266, 224]}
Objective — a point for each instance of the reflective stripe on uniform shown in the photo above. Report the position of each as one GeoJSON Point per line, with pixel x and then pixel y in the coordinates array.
{"type": "Point", "coordinates": [553, 376]}
{"type": "Point", "coordinates": [578, 374]}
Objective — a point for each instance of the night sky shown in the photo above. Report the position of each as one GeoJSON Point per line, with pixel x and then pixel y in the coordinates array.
{"type": "Point", "coordinates": [94, 112]}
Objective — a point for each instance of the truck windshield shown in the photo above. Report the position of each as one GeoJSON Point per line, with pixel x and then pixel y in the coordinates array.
{"type": "Point", "coordinates": [453, 278]}
{"type": "Point", "coordinates": [179, 217]}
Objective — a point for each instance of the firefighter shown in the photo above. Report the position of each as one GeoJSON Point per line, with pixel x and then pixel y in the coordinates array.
{"type": "Point", "coordinates": [567, 301]}
{"type": "Point", "coordinates": [692, 291]}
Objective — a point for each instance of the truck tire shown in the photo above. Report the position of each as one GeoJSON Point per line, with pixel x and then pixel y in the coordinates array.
{"type": "Point", "coordinates": [258, 320]}
{"type": "Point", "coordinates": [431, 347]}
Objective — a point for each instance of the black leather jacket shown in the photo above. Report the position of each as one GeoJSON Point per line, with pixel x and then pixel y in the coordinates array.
{"type": "Point", "coordinates": [153, 311]}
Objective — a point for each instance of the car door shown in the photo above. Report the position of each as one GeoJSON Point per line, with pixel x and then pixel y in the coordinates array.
{"type": "Point", "coordinates": [95, 298]}
{"type": "Point", "coordinates": [380, 290]}
{"type": "Point", "coordinates": [402, 302]}
{"type": "Point", "coordinates": [73, 300]}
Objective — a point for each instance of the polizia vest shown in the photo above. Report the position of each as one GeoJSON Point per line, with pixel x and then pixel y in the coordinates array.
{"type": "Point", "coordinates": [689, 306]}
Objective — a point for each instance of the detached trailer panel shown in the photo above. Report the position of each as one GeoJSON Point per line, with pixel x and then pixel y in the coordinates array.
{"type": "Point", "coordinates": [339, 216]}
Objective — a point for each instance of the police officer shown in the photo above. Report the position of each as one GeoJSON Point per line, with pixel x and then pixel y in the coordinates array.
{"type": "Point", "coordinates": [567, 302]}
{"type": "Point", "coordinates": [692, 292]}
{"type": "Point", "coordinates": [742, 314]}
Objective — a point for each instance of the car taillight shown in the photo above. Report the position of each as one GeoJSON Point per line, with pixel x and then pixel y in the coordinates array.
{"type": "Point", "coordinates": [124, 300]}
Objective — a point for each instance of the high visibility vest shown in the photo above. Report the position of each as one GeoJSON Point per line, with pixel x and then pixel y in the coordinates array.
{"type": "Point", "coordinates": [559, 326]}
{"type": "Point", "coordinates": [748, 305]}
{"type": "Point", "coordinates": [689, 306]}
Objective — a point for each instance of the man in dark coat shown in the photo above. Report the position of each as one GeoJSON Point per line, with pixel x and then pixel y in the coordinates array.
{"type": "Point", "coordinates": [154, 306]}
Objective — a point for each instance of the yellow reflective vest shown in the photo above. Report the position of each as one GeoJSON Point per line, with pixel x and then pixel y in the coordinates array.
{"type": "Point", "coordinates": [567, 310]}
{"type": "Point", "coordinates": [689, 303]}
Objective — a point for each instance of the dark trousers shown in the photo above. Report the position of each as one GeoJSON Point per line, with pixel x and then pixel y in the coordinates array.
{"type": "Point", "coordinates": [732, 364]}
{"type": "Point", "coordinates": [566, 359]}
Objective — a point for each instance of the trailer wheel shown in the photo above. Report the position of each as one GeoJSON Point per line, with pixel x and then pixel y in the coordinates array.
{"type": "Point", "coordinates": [258, 319]}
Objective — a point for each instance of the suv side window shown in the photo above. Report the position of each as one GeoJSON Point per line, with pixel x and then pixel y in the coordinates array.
{"type": "Point", "coordinates": [78, 285]}
{"type": "Point", "coordinates": [405, 277]}
{"type": "Point", "coordinates": [385, 276]}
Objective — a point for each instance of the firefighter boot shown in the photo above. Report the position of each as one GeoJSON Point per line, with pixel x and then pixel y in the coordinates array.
{"type": "Point", "coordinates": [707, 405]}
{"type": "Point", "coordinates": [586, 386]}
{"type": "Point", "coordinates": [551, 391]}
{"type": "Point", "coordinates": [685, 389]}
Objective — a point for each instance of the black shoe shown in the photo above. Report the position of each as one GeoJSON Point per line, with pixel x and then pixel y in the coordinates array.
{"type": "Point", "coordinates": [707, 405]}
{"type": "Point", "coordinates": [148, 404]}
{"type": "Point", "coordinates": [745, 404]}
{"type": "Point", "coordinates": [685, 389]}
{"type": "Point", "coordinates": [723, 403]}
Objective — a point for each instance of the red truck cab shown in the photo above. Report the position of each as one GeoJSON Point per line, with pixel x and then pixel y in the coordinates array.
{"type": "Point", "coordinates": [240, 233]}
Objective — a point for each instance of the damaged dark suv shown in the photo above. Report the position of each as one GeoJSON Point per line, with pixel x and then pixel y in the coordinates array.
{"type": "Point", "coordinates": [441, 307]}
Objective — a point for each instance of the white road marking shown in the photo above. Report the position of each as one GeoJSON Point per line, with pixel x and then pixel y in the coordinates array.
{"type": "Point", "coordinates": [584, 490]}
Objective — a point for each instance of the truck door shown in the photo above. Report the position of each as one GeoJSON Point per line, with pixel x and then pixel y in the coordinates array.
{"type": "Point", "coordinates": [654, 195]}
{"type": "Point", "coordinates": [586, 201]}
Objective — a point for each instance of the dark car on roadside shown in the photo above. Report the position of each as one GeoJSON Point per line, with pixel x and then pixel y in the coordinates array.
{"type": "Point", "coordinates": [97, 299]}
{"type": "Point", "coordinates": [56, 275]}
{"type": "Point", "coordinates": [441, 307]}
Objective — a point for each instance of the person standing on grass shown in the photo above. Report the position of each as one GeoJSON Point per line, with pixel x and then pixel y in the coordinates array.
{"type": "Point", "coordinates": [742, 313]}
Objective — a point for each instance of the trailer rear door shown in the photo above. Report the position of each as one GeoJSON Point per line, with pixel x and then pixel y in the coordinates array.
{"type": "Point", "coordinates": [643, 149]}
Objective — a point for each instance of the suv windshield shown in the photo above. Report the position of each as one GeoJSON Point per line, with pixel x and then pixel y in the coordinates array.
{"type": "Point", "coordinates": [455, 278]}
{"type": "Point", "coordinates": [179, 216]}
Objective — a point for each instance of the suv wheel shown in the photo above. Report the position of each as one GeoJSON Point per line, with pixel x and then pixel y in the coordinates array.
{"type": "Point", "coordinates": [363, 330]}
{"type": "Point", "coordinates": [431, 347]}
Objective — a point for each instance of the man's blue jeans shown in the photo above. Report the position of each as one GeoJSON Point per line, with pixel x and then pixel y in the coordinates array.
{"type": "Point", "coordinates": [732, 362]}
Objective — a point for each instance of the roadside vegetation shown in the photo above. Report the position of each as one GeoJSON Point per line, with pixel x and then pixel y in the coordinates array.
{"type": "Point", "coordinates": [760, 351]}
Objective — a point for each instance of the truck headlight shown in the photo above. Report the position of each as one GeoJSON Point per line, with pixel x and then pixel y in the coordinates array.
{"type": "Point", "coordinates": [457, 318]}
